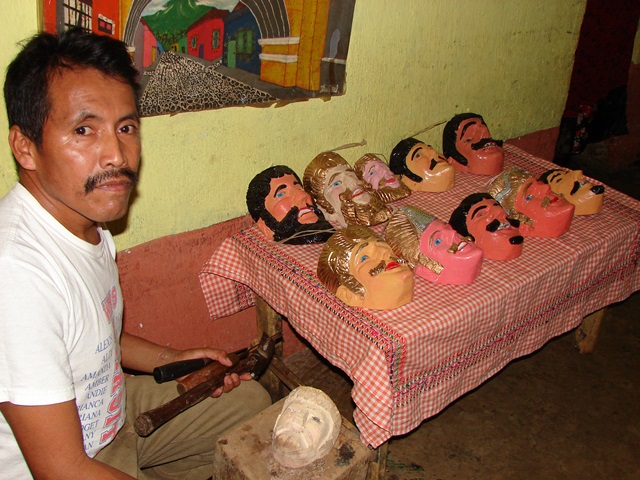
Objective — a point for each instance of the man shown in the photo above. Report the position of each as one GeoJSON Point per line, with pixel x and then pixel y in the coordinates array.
{"type": "Point", "coordinates": [380, 179]}
{"type": "Point", "coordinates": [361, 270]}
{"type": "Point", "coordinates": [541, 213]}
{"type": "Point", "coordinates": [586, 197]}
{"type": "Point", "coordinates": [283, 210]}
{"type": "Point", "coordinates": [433, 248]}
{"type": "Point", "coordinates": [340, 194]}
{"type": "Point", "coordinates": [482, 218]}
{"type": "Point", "coordinates": [421, 167]}
{"type": "Point", "coordinates": [75, 135]}
{"type": "Point", "coordinates": [467, 144]}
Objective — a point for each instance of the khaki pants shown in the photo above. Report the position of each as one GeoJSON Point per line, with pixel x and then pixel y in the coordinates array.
{"type": "Point", "coordinates": [183, 447]}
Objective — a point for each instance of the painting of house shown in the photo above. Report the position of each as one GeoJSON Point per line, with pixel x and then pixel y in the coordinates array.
{"type": "Point", "coordinates": [202, 54]}
{"type": "Point", "coordinates": [204, 37]}
{"type": "Point", "coordinates": [150, 49]}
{"type": "Point", "coordinates": [241, 40]}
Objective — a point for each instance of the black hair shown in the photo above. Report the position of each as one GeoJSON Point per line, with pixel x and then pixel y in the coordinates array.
{"type": "Point", "coordinates": [544, 178]}
{"type": "Point", "coordinates": [398, 161]}
{"type": "Point", "coordinates": [449, 136]}
{"type": "Point", "coordinates": [28, 78]}
{"type": "Point", "coordinates": [260, 187]}
{"type": "Point", "coordinates": [458, 220]}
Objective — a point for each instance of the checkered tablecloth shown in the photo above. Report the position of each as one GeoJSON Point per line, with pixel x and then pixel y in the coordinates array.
{"type": "Point", "coordinates": [409, 363]}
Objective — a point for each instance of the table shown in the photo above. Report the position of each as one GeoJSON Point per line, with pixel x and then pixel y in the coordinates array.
{"type": "Point", "coordinates": [408, 364]}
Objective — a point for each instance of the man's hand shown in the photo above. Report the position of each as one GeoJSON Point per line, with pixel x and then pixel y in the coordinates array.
{"type": "Point", "coordinates": [231, 381]}
{"type": "Point", "coordinates": [143, 356]}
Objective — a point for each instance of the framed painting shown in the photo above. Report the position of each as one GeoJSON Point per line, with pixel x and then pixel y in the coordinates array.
{"type": "Point", "coordinates": [206, 54]}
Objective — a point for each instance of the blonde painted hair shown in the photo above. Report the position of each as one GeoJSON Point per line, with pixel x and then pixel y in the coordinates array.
{"type": "Point", "coordinates": [333, 264]}
{"type": "Point", "coordinates": [315, 176]}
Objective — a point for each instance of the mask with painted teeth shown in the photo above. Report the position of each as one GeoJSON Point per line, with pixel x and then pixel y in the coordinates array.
{"type": "Point", "coordinates": [480, 216]}
{"type": "Point", "coordinates": [432, 247]}
{"type": "Point", "coordinates": [468, 145]}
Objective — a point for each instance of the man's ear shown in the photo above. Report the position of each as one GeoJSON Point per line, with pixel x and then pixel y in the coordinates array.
{"type": "Point", "coordinates": [350, 298]}
{"type": "Point", "coordinates": [264, 229]}
{"type": "Point", "coordinates": [22, 147]}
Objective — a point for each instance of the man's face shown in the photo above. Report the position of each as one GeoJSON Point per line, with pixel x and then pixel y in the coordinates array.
{"type": "Point", "coordinates": [341, 180]}
{"type": "Point", "coordinates": [378, 175]}
{"type": "Point", "coordinates": [461, 260]}
{"type": "Point", "coordinates": [487, 222]}
{"type": "Point", "coordinates": [573, 187]}
{"type": "Point", "coordinates": [284, 194]}
{"type": "Point", "coordinates": [352, 204]}
{"type": "Point", "coordinates": [551, 215]}
{"type": "Point", "coordinates": [86, 168]}
{"type": "Point", "coordinates": [437, 174]}
{"type": "Point", "coordinates": [474, 142]}
{"type": "Point", "coordinates": [388, 284]}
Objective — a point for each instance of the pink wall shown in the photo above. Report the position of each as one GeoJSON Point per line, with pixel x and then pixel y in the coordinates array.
{"type": "Point", "coordinates": [163, 299]}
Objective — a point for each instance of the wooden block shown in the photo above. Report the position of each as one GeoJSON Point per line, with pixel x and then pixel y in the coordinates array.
{"type": "Point", "coordinates": [244, 453]}
{"type": "Point", "coordinates": [587, 332]}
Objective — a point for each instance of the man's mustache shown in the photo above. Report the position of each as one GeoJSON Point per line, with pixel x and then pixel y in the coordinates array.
{"type": "Point", "coordinates": [482, 143]}
{"type": "Point", "coordinates": [94, 180]}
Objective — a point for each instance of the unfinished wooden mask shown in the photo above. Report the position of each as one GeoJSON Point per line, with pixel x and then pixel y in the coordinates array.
{"type": "Point", "coordinates": [306, 429]}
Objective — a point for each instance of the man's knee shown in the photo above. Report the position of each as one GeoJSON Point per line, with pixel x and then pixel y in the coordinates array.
{"type": "Point", "coordinates": [253, 397]}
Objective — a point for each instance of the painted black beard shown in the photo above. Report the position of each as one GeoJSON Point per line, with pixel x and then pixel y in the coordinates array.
{"type": "Point", "coordinates": [290, 231]}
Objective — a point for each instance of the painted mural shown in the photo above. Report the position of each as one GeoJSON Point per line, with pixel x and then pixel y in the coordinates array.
{"type": "Point", "coordinates": [206, 54]}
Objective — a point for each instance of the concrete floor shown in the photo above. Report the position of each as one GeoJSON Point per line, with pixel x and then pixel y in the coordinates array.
{"type": "Point", "coordinates": [555, 414]}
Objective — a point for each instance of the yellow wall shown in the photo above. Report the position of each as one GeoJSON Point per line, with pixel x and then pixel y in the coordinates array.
{"type": "Point", "coordinates": [411, 63]}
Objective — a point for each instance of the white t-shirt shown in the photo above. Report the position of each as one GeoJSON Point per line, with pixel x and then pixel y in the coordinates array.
{"type": "Point", "coordinates": [60, 324]}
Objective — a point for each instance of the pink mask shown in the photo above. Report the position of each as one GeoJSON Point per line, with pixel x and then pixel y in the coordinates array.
{"type": "Point", "coordinates": [461, 259]}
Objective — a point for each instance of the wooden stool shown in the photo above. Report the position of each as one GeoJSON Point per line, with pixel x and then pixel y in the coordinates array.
{"type": "Point", "coordinates": [245, 453]}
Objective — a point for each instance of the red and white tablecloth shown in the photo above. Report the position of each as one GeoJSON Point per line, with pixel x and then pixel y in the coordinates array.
{"type": "Point", "coordinates": [409, 363]}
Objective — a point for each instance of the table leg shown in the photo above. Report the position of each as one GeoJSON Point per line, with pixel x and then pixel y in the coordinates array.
{"type": "Point", "coordinates": [587, 332]}
{"type": "Point", "coordinates": [378, 468]}
{"type": "Point", "coordinates": [270, 322]}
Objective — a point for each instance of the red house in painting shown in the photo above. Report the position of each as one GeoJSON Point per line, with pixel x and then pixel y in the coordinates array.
{"type": "Point", "coordinates": [98, 16]}
{"type": "Point", "coordinates": [205, 36]}
{"type": "Point", "coordinates": [147, 49]}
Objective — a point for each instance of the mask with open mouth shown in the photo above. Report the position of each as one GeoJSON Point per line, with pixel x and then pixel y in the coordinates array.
{"type": "Point", "coordinates": [468, 144]}
{"type": "Point", "coordinates": [340, 194]}
{"type": "Point", "coordinates": [283, 210]}
{"type": "Point", "coordinates": [480, 216]}
{"type": "Point", "coordinates": [437, 252]}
